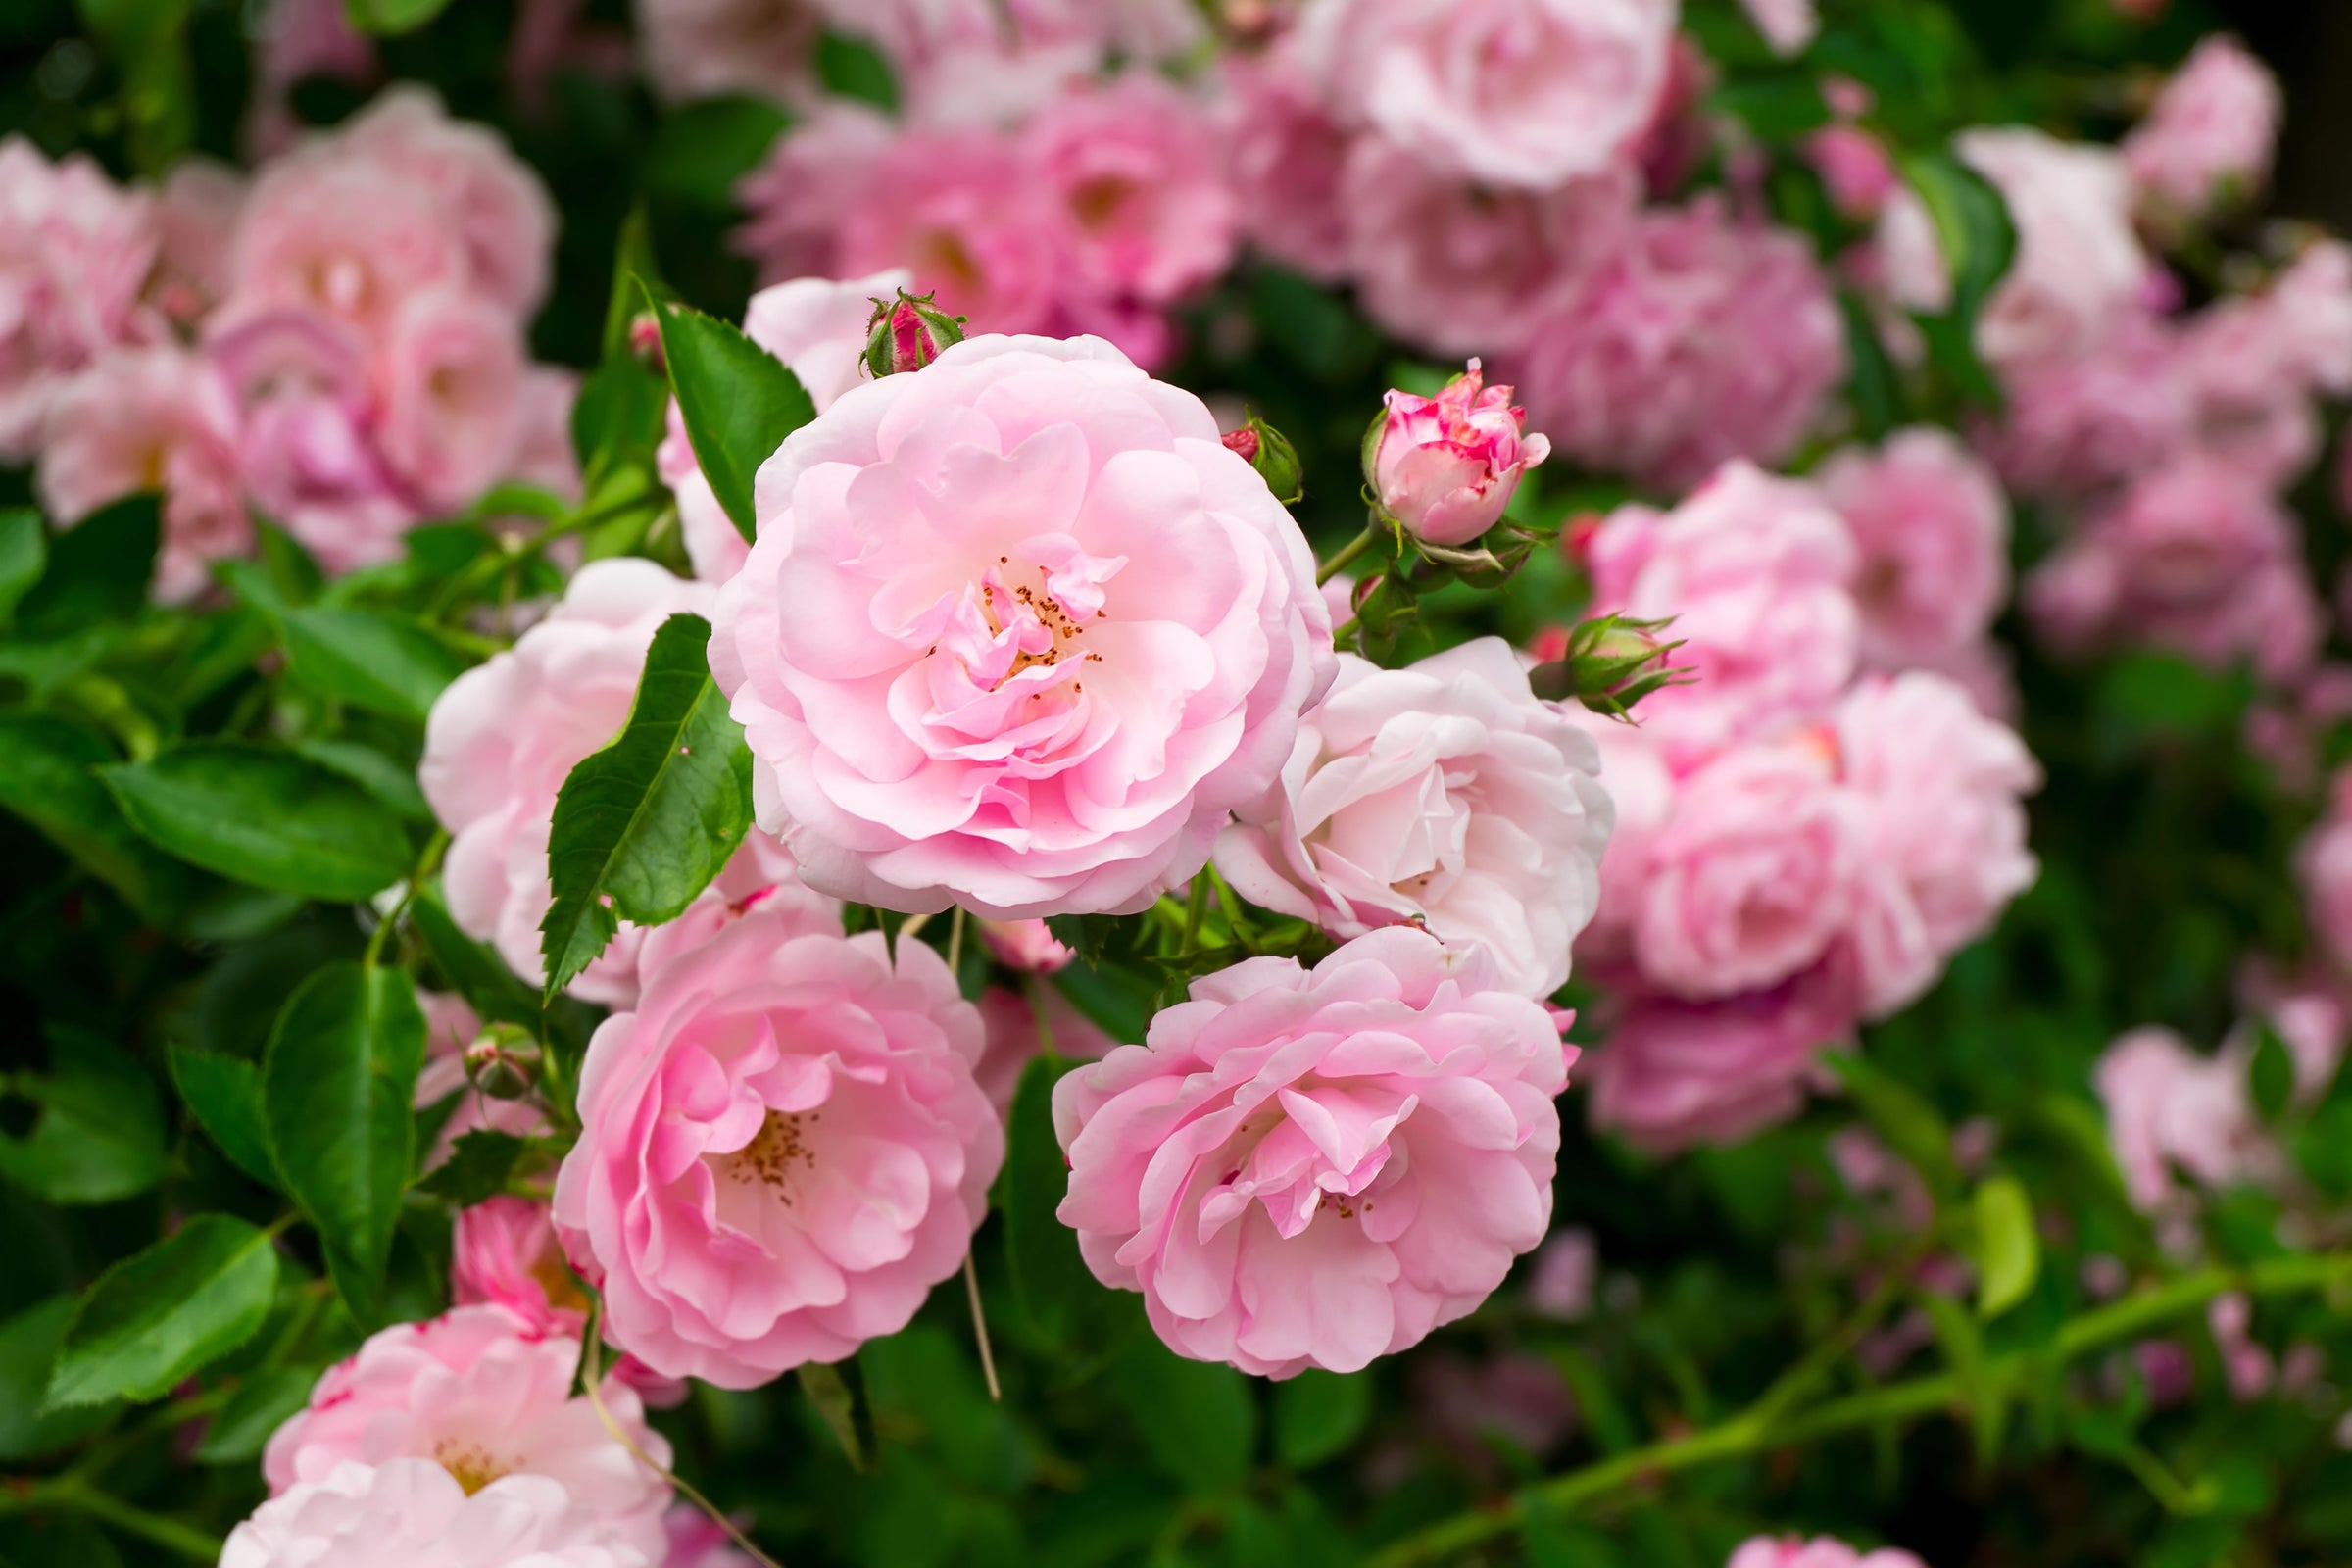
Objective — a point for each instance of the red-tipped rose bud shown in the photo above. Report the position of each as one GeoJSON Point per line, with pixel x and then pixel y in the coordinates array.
{"type": "Point", "coordinates": [907, 334]}
{"type": "Point", "coordinates": [645, 341]}
{"type": "Point", "coordinates": [1270, 453]}
{"type": "Point", "coordinates": [1445, 467]}
{"type": "Point", "coordinates": [503, 1062]}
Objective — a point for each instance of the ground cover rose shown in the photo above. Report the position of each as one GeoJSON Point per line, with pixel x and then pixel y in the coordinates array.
{"type": "Point", "coordinates": [1018, 631]}
{"type": "Point", "coordinates": [1316, 1168]}
{"type": "Point", "coordinates": [782, 1150]}
{"type": "Point", "coordinates": [406, 1512]}
{"type": "Point", "coordinates": [1445, 794]}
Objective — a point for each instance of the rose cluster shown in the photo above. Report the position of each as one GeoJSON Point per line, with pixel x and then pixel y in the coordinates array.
{"type": "Point", "coordinates": [1813, 824]}
{"type": "Point", "coordinates": [336, 345]}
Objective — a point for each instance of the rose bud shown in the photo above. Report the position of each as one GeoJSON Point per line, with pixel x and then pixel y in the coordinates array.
{"type": "Point", "coordinates": [1445, 467]}
{"type": "Point", "coordinates": [907, 334]}
{"type": "Point", "coordinates": [1270, 453]}
{"type": "Point", "coordinates": [503, 1062]}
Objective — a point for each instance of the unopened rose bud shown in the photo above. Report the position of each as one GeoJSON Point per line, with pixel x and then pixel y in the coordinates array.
{"type": "Point", "coordinates": [1608, 663]}
{"type": "Point", "coordinates": [1445, 467]}
{"type": "Point", "coordinates": [645, 341]}
{"type": "Point", "coordinates": [907, 334]}
{"type": "Point", "coordinates": [503, 1062]}
{"type": "Point", "coordinates": [1270, 453]}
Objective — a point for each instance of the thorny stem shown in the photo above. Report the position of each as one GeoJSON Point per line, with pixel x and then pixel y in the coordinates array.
{"type": "Point", "coordinates": [1347, 553]}
{"type": "Point", "coordinates": [1756, 1430]}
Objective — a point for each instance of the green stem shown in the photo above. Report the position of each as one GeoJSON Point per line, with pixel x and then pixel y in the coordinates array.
{"type": "Point", "coordinates": [1347, 553]}
{"type": "Point", "coordinates": [71, 1492]}
{"type": "Point", "coordinates": [1753, 1432]}
{"type": "Point", "coordinates": [1196, 907]}
{"type": "Point", "coordinates": [417, 873]}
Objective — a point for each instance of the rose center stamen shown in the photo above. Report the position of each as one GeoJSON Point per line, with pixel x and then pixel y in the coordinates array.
{"type": "Point", "coordinates": [472, 1468]}
{"type": "Point", "coordinates": [780, 1144]}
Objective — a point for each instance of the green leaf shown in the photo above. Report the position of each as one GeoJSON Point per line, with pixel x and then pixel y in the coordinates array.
{"type": "Point", "coordinates": [1911, 1127]}
{"type": "Point", "coordinates": [48, 777]}
{"type": "Point", "coordinates": [337, 1083]}
{"type": "Point", "coordinates": [701, 149]}
{"type": "Point", "coordinates": [851, 68]}
{"type": "Point", "coordinates": [1974, 232]}
{"type": "Point", "coordinates": [264, 815]}
{"type": "Point", "coordinates": [1050, 1280]}
{"type": "Point", "coordinates": [294, 574]}
{"type": "Point", "coordinates": [388, 18]}
{"type": "Point", "coordinates": [100, 1135]}
{"type": "Point", "coordinates": [1963, 1345]}
{"type": "Point", "coordinates": [1872, 385]}
{"type": "Point", "coordinates": [379, 775]}
{"type": "Point", "coordinates": [153, 1318]}
{"type": "Point", "coordinates": [224, 1094]}
{"type": "Point", "coordinates": [2008, 1252]}
{"type": "Point", "coordinates": [261, 1405]}
{"type": "Point", "coordinates": [24, 552]}
{"type": "Point", "coordinates": [98, 571]}
{"type": "Point", "coordinates": [28, 1347]}
{"type": "Point", "coordinates": [2270, 1074]}
{"type": "Point", "coordinates": [1318, 1415]}
{"type": "Point", "coordinates": [838, 1392]}
{"type": "Point", "coordinates": [643, 825]}
{"type": "Point", "coordinates": [148, 42]}
{"type": "Point", "coordinates": [477, 972]}
{"type": "Point", "coordinates": [381, 662]}
{"type": "Point", "coordinates": [477, 1168]}
{"type": "Point", "coordinates": [739, 402]}
{"type": "Point", "coordinates": [1197, 1417]}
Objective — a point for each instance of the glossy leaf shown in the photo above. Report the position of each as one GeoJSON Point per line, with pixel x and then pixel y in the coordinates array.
{"type": "Point", "coordinates": [224, 1094]}
{"type": "Point", "coordinates": [171, 1311]}
{"type": "Point", "coordinates": [99, 1135]}
{"type": "Point", "coordinates": [24, 553]}
{"type": "Point", "coordinates": [1318, 1415]}
{"type": "Point", "coordinates": [98, 571]}
{"type": "Point", "coordinates": [476, 1169]}
{"type": "Point", "coordinates": [48, 776]}
{"type": "Point", "coordinates": [739, 402]}
{"type": "Point", "coordinates": [264, 815]}
{"type": "Point", "coordinates": [381, 662]}
{"type": "Point", "coordinates": [1197, 1418]}
{"type": "Point", "coordinates": [28, 1347]}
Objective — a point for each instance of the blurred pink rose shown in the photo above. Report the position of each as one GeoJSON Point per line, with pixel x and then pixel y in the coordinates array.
{"type": "Point", "coordinates": [1641, 790]}
{"type": "Point", "coordinates": [1939, 791]}
{"type": "Point", "coordinates": [782, 1151]}
{"type": "Point", "coordinates": [1932, 530]}
{"type": "Point", "coordinates": [1753, 877]}
{"type": "Point", "coordinates": [1755, 571]}
{"type": "Point", "coordinates": [1462, 270]}
{"type": "Point", "coordinates": [1787, 25]}
{"type": "Point", "coordinates": [794, 201]}
{"type": "Point", "coordinates": [1063, 632]}
{"type": "Point", "coordinates": [487, 1395]}
{"type": "Point", "coordinates": [1697, 339]}
{"type": "Point", "coordinates": [1855, 167]}
{"type": "Point", "coordinates": [196, 214]}
{"type": "Point", "coordinates": [503, 215]}
{"type": "Point", "coordinates": [1560, 1286]}
{"type": "Point", "coordinates": [409, 1511]}
{"type": "Point", "coordinates": [295, 40]}
{"type": "Point", "coordinates": [544, 456]}
{"type": "Point", "coordinates": [344, 236]}
{"type": "Point", "coordinates": [1137, 174]}
{"type": "Point", "coordinates": [1316, 1168]}
{"type": "Point", "coordinates": [1794, 1552]}
{"type": "Point", "coordinates": [504, 1251]}
{"type": "Point", "coordinates": [2325, 865]}
{"type": "Point", "coordinates": [2079, 424]}
{"type": "Point", "coordinates": [1515, 1396]}
{"type": "Point", "coordinates": [450, 383]}
{"type": "Point", "coordinates": [1515, 93]}
{"type": "Point", "coordinates": [1446, 466]}
{"type": "Point", "coordinates": [1285, 154]}
{"type": "Point", "coordinates": [1026, 944]}
{"type": "Point", "coordinates": [710, 48]}
{"type": "Point", "coordinates": [972, 217]}
{"type": "Point", "coordinates": [1676, 1073]}
{"type": "Point", "coordinates": [2079, 264]}
{"type": "Point", "coordinates": [1443, 795]}
{"type": "Point", "coordinates": [1015, 1037]}
{"type": "Point", "coordinates": [2168, 1107]}
{"type": "Point", "coordinates": [698, 1541]}
{"type": "Point", "coordinates": [142, 419]}
{"type": "Point", "coordinates": [2209, 136]}
{"type": "Point", "coordinates": [818, 328]}
{"type": "Point", "coordinates": [75, 252]}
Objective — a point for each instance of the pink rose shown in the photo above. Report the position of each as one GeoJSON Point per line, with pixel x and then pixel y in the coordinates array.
{"type": "Point", "coordinates": [1755, 573]}
{"type": "Point", "coordinates": [1137, 176]}
{"type": "Point", "coordinates": [1026, 944]}
{"type": "Point", "coordinates": [344, 236]}
{"type": "Point", "coordinates": [1560, 1287]}
{"type": "Point", "coordinates": [1318, 1167]}
{"type": "Point", "coordinates": [501, 212]}
{"type": "Point", "coordinates": [1285, 153]}
{"type": "Point", "coordinates": [1939, 790]}
{"type": "Point", "coordinates": [504, 1251]}
{"type": "Point", "coordinates": [782, 1151]}
{"type": "Point", "coordinates": [74, 251]}
{"type": "Point", "coordinates": [1793, 1551]}
{"type": "Point", "coordinates": [1444, 795]}
{"type": "Point", "coordinates": [298, 39]}
{"type": "Point", "coordinates": [818, 328]}
{"type": "Point", "coordinates": [1015, 1037]}
{"type": "Point", "coordinates": [1932, 530]}
{"type": "Point", "coordinates": [504, 736]}
{"type": "Point", "coordinates": [1641, 788]}
{"type": "Point", "coordinates": [1018, 632]}
{"type": "Point", "coordinates": [1855, 167]}
{"type": "Point", "coordinates": [1787, 25]}
{"type": "Point", "coordinates": [2082, 423]}
{"type": "Point", "coordinates": [409, 1511]}
{"type": "Point", "coordinates": [143, 420]}
{"type": "Point", "coordinates": [486, 1395]}
{"type": "Point", "coordinates": [2209, 136]}
{"type": "Point", "coordinates": [1516, 93]}
{"type": "Point", "coordinates": [2168, 1107]}
{"type": "Point", "coordinates": [1698, 339]}
{"type": "Point", "coordinates": [710, 48]}
{"type": "Point", "coordinates": [698, 1541]}
{"type": "Point", "coordinates": [1676, 1073]}
{"type": "Point", "coordinates": [450, 383]}
{"type": "Point", "coordinates": [1463, 269]}
{"type": "Point", "coordinates": [196, 216]}
{"type": "Point", "coordinates": [544, 455]}
{"type": "Point", "coordinates": [2324, 865]}
{"type": "Point", "coordinates": [794, 201]}
{"type": "Point", "coordinates": [1754, 876]}
{"type": "Point", "coordinates": [1446, 466]}
{"type": "Point", "coordinates": [2079, 264]}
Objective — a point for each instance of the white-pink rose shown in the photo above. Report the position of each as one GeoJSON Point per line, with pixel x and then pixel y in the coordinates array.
{"type": "Point", "coordinates": [1822, 1551]}
{"type": "Point", "coordinates": [1519, 93]}
{"type": "Point", "coordinates": [1137, 174]}
{"type": "Point", "coordinates": [343, 236]}
{"type": "Point", "coordinates": [708, 48]}
{"type": "Point", "coordinates": [1931, 529]}
{"type": "Point", "coordinates": [406, 1512]}
{"type": "Point", "coordinates": [1446, 466]}
{"type": "Point", "coordinates": [2209, 136]}
{"type": "Point", "coordinates": [501, 212]}
{"type": "Point", "coordinates": [1318, 1167]}
{"type": "Point", "coordinates": [1019, 633]}
{"type": "Point", "coordinates": [1444, 795]}
{"type": "Point", "coordinates": [151, 418]}
{"type": "Point", "coordinates": [782, 1150]}
{"type": "Point", "coordinates": [450, 383]}
{"type": "Point", "coordinates": [1787, 25]}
